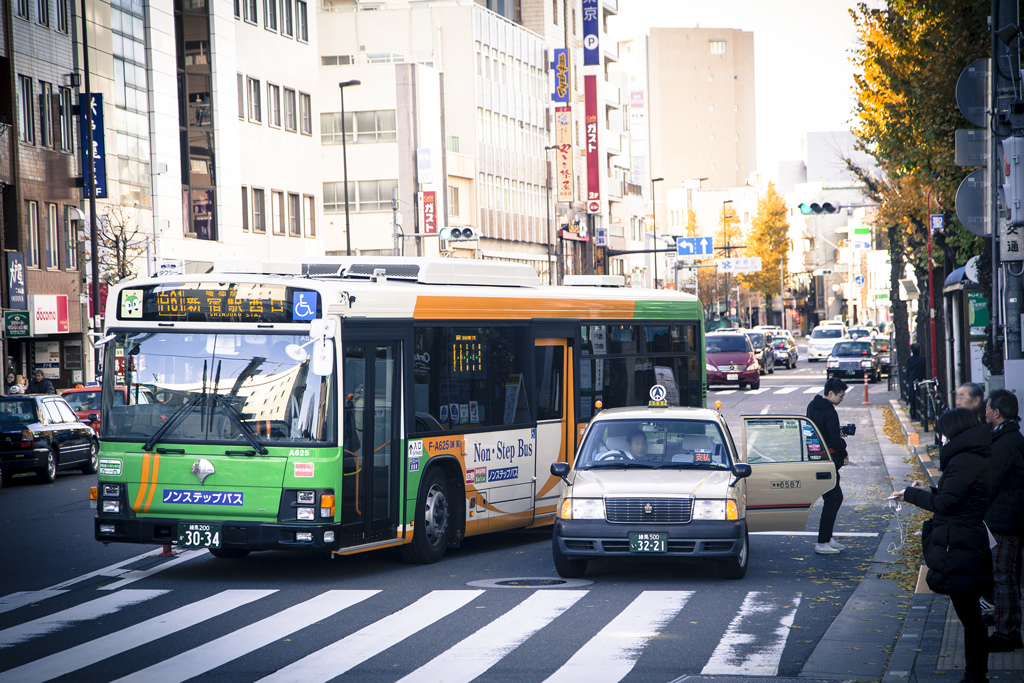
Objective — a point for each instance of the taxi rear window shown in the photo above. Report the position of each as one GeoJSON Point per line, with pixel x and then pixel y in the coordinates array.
{"type": "Point", "coordinates": [654, 444]}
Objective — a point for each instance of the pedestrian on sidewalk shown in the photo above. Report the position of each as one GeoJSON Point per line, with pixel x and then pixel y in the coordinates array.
{"type": "Point", "coordinates": [971, 396]}
{"type": "Point", "coordinates": [954, 541]}
{"type": "Point", "coordinates": [914, 373]}
{"type": "Point", "coordinates": [822, 412]}
{"type": "Point", "coordinates": [1005, 517]}
{"type": "Point", "coordinates": [39, 384]}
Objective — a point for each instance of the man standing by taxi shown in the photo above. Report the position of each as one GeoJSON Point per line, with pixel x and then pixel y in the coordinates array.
{"type": "Point", "coordinates": [822, 412]}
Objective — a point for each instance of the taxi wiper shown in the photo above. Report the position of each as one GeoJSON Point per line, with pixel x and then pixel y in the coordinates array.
{"type": "Point", "coordinates": [621, 465]}
{"type": "Point", "coordinates": [694, 466]}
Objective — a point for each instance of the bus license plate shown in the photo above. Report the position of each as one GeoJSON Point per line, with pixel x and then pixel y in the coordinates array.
{"type": "Point", "coordinates": [648, 542]}
{"type": "Point", "coordinates": [198, 535]}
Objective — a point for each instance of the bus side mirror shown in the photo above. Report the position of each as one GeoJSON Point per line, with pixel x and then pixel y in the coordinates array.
{"type": "Point", "coordinates": [323, 331]}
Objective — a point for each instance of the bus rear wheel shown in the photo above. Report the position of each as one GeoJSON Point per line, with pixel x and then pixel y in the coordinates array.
{"type": "Point", "coordinates": [432, 527]}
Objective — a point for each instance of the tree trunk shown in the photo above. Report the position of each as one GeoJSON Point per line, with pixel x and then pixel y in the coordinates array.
{"type": "Point", "coordinates": [901, 337]}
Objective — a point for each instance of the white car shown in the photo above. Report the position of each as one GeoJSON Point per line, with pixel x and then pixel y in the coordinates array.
{"type": "Point", "coordinates": [821, 341]}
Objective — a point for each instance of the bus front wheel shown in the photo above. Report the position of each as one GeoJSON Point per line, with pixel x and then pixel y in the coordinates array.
{"type": "Point", "coordinates": [433, 521]}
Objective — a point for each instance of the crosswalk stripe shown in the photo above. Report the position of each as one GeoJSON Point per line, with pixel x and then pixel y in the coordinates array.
{"type": "Point", "coordinates": [93, 609]}
{"type": "Point", "coordinates": [87, 654]}
{"type": "Point", "coordinates": [787, 390]}
{"type": "Point", "coordinates": [342, 655]}
{"type": "Point", "coordinates": [811, 390]}
{"type": "Point", "coordinates": [724, 392]}
{"type": "Point", "coordinates": [611, 654]}
{"type": "Point", "coordinates": [744, 648]}
{"type": "Point", "coordinates": [22, 598]}
{"type": "Point", "coordinates": [755, 392]}
{"type": "Point", "coordinates": [138, 575]}
{"type": "Point", "coordinates": [479, 652]}
{"type": "Point", "coordinates": [218, 652]}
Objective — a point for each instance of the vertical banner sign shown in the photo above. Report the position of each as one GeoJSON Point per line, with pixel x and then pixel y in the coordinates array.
{"type": "Point", "coordinates": [17, 295]}
{"type": "Point", "coordinates": [563, 158]}
{"type": "Point", "coordinates": [428, 217]}
{"type": "Point", "coordinates": [591, 34]}
{"type": "Point", "coordinates": [563, 89]}
{"type": "Point", "coordinates": [593, 159]}
{"type": "Point", "coordinates": [98, 146]}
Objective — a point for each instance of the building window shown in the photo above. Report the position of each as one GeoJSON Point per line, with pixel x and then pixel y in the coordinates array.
{"type": "Point", "coordinates": [245, 209]}
{"type": "Point", "coordinates": [26, 112]}
{"type": "Point", "coordinates": [453, 144]}
{"type": "Point", "coordinates": [62, 16]}
{"type": "Point", "coordinates": [67, 120]}
{"type": "Point", "coordinates": [554, 11]}
{"type": "Point", "coordinates": [71, 241]}
{"type": "Point", "coordinates": [73, 355]}
{"type": "Point", "coordinates": [45, 114]}
{"type": "Point", "coordinates": [277, 212]}
{"type": "Point", "coordinates": [255, 110]}
{"type": "Point", "coordinates": [238, 9]}
{"type": "Point", "coordinates": [287, 23]}
{"type": "Point", "coordinates": [32, 257]}
{"type": "Point", "coordinates": [334, 197]}
{"type": "Point", "coordinates": [305, 114]}
{"type": "Point", "coordinates": [241, 97]}
{"type": "Point", "coordinates": [43, 12]}
{"type": "Point", "coordinates": [258, 211]}
{"type": "Point", "coordinates": [274, 105]}
{"type": "Point", "coordinates": [361, 126]}
{"type": "Point", "coordinates": [21, 9]}
{"type": "Point", "coordinates": [294, 215]}
{"type": "Point", "coordinates": [717, 47]}
{"type": "Point", "coordinates": [290, 115]}
{"type": "Point", "coordinates": [310, 216]}
{"type": "Point", "coordinates": [51, 236]}
{"type": "Point", "coordinates": [270, 15]}
{"type": "Point", "coordinates": [453, 200]}
{"type": "Point", "coordinates": [249, 7]}
{"type": "Point", "coordinates": [302, 20]}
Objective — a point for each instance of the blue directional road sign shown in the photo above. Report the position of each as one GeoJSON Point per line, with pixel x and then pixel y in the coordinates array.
{"type": "Point", "coordinates": [695, 247]}
{"type": "Point", "coordinates": [859, 279]}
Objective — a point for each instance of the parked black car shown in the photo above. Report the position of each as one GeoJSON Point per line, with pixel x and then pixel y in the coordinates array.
{"type": "Point", "coordinates": [785, 351]}
{"type": "Point", "coordinates": [42, 433]}
{"type": "Point", "coordinates": [855, 359]}
{"type": "Point", "coordinates": [763, 350]}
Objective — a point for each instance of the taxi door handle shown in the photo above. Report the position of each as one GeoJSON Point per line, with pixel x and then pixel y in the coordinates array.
{"type": "Point", "coordinates": [822, 475]}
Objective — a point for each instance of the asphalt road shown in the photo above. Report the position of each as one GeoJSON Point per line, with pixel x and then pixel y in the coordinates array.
{"type": "Point", "coordinates": [72, 609]}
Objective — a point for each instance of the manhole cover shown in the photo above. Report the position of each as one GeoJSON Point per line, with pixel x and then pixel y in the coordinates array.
{"type": "Point", "coordinates": [530, 582]}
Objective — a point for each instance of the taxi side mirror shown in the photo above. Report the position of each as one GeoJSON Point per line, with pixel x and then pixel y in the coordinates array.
{"type": "Point", "coordinates": [561, 470]}
{"type": "Point", "coordinates": [740, 470]}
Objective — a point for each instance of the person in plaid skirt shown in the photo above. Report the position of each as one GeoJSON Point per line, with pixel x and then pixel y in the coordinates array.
{"type": "Point", "coordinates": [1005, 517]}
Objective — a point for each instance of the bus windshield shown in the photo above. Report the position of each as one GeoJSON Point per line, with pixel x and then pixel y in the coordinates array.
{"type": "Point", "coordinates": [249, 389]}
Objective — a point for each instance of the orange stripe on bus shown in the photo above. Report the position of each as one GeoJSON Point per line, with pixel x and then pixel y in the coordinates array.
{"type": "Point", "coordinates": [446, 308]}
{"type": "Point", "coordinates": [143, 483]}
{"type": "Point", "coordinates": [152, 484]}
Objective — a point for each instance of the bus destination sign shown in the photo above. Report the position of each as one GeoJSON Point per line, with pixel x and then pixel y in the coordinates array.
{"type": "Point", "coordinates": [227, 302]}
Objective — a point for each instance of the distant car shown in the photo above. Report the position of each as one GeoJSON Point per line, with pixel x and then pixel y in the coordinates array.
{"type": "Point", "coordinates": [42, 433]}
{"type": "Point", "coordinates": [855, 359]}
{"type": "Point", "coordinates": [785, 351]}
{"type": "Point", "coordinates": [730, 360]}
{"type": "Point", "coordinates": [763, 350]}
{"type": "Point", "coordinates": [861, 331]}
{"type": "Point", "coordinates": [822, 339]}
{"type": "Point", "coordinates": [880, 345]}
{"type": "Point", "coordinates": [85, 401]}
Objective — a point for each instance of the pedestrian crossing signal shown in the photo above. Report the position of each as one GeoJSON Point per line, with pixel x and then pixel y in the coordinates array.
{"type": "Point", "coordinates": [460, 234]}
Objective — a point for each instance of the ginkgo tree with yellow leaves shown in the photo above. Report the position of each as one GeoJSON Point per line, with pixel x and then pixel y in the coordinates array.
{"type": "Point", "coordinates": [769, 240]}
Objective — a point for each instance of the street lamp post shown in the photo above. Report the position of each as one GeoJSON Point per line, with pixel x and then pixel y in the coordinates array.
{"type": "Point", "coordinates": [344, 164]}
{"type": "Point", "coordinates": [547, 207]}
{"type": "Point", "coordinates": [654, 228]}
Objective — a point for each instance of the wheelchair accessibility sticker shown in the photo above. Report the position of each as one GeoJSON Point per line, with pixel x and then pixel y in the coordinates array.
{"type": "Point", "coordinates": [304, 306]}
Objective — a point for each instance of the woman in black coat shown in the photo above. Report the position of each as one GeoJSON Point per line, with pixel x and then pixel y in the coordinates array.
{"type": "Point", "coordinates": [955, 541]}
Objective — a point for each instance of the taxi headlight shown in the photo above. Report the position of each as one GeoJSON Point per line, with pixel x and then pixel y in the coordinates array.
{"type": "Point", "coordinates": [709, 509]}
{"type": "Point", "coordinates": [866, 363]}
{"type": "Point", "coordinates": [582, 508]}
{"type": "Point", "coordinates": [833, 362]}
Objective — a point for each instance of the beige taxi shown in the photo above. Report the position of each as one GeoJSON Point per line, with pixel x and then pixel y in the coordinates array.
{"type": "Point", "coordinates": [671, 483]}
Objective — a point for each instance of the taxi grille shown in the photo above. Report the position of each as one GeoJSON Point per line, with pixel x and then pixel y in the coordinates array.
{"type": "Point", "coordinates": [648, 510]}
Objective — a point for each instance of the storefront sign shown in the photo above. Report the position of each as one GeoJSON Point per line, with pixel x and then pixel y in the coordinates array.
{"type": "Point", "coordinates": [593, 158]}
{"type": "Point", "coordinates": [47, 358]}
{"type": "Point", "coordinates": [99, 158]}
{"type": "Point", "coordinates": [563, 84]}
{"type": "Point", "coordinates": [16, 280]}
{"type": "Point", "coordinates": [591, 34]}
{"type": "Point", "coordinates": [17, 324]}
{"type": "Point", "coordinates": [428, 215]}
{"type": "Point", "coordinates": [49, 313]}
{"type": "Point", "coordinates": [563, 156]}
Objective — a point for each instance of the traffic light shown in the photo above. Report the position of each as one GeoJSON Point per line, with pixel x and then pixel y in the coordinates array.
{"type": "Point", "coordinates": [1013, 186]}
{"type": "Point", "coordinates": [458, 234]}
{"type": "Point", "coordinates": [816, 208]}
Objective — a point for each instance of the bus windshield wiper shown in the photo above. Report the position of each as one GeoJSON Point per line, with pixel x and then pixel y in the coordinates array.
{"type": "Point", "coordinates": [216, 400]}
{"type": "Point", "coordinates": [190, 403]}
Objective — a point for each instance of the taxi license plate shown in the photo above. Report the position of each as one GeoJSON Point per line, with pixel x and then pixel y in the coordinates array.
{"type": "Point", "coordinates": [732, 375]}
{"type": "Point", "coordinates": [198, 535]}
{"type": "Point", "coordinates": [648, 542]}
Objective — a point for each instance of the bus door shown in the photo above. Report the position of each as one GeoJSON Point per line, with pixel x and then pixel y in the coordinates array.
{"type": "Point", "coordinates": [556, 420]}
{"type": "Point", "coordinates": [371, 437]}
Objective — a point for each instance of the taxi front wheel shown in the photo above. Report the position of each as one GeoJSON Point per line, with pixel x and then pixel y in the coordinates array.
{"type": "Point", "coordinates": [736, 567]}
{"type": "Point", "coordinates": [566, 568]}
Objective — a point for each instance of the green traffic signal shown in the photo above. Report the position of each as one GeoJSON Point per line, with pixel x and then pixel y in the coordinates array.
{"type": "Point", "coordinates": [815, 208]}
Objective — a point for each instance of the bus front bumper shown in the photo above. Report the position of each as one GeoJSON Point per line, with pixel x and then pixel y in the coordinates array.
{"type": "Point", "coordinates": [233, 535]}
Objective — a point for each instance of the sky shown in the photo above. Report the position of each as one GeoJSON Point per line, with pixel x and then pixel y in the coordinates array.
{"type": "Point", "coordinates": [802, 70]}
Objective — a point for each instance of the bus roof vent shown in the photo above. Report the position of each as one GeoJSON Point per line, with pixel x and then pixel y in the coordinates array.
{"type": "Point", "coordinates": [392, 271]}
{"type": "Point", "coordinates": [594, 281]}
{"type": "Point", "coordinates": [427, 271]}
{"type": "Point", "coordinates": [257, 267]}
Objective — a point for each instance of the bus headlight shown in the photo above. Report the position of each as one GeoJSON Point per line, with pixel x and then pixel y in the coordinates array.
{"type": "Point", "coordinates": [582, 508]}
{"type": "Point", "coordinates": [112, 506]}
{"type": "Point", "coordinates": [111, 490]}
{"type": "Point", "coordinates": [305, 514]}
{"type": "Point", "coordinates": [709, 509]}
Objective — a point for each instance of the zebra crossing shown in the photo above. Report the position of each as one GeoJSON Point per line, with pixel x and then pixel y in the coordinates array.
{"type": "Point", "coordinates": [752, 642]}
{"type": "Point", "coordinates": [765, 390]}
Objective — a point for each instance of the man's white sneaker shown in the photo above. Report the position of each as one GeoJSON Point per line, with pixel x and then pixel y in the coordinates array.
{"type": "Point", "coordinates": [837, 545]}
{"type": "Point", "coordinates": [825, 549]}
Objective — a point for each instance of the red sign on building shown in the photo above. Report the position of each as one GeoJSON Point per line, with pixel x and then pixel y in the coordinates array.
{"type": "Point", "coordinates": [428, 217]}
{"type": "Point", "coordinates": [593, 158]}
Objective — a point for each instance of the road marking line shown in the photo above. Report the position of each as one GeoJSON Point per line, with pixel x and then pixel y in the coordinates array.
{"type": "Point", "coordinates": [349, 652]}
{"type": "Point", "coordinates": [787, 390]}
{"type": "Point", "coordinates": [239, 643]}
{"type": "Point", "coordinates": [848, 534]}
{"type": "Point", "coordinates": [93, 609]}
{"type": "Point", "coordinates": [754, 392]}
{"type": "Point", "coordinates": [479, 652]}
{"type": "Point", "coordinates": [87, 654]}
{"type": "Point", "coordinates": [138, 575]}
{"type": "Point", "coordinates": [611, 654]}
{"type": "Point", "coordinates": [764, 411]}
{"type": "Point", "coordinates": [723, 392]}
{"type": "Point", "coordinates": [743, 648]}
{"type": "Point", "coordinates": [811, 390]}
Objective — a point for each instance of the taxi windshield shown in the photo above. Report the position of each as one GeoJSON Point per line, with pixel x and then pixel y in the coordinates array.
{"type": "Point", "coordinates": [654, 444]}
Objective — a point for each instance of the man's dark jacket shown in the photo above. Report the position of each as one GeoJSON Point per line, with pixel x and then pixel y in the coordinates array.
{"type": "Point", "coordinates": [44, 386]}
{"type": "Point", "coordinates": [823, 414]}
{"type": "Point", "coordinates": [915, 369]}
{"type": "Point", "coordinates": [955, 542]}
{"type": "Point", "coordinates": [1006, 504]}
